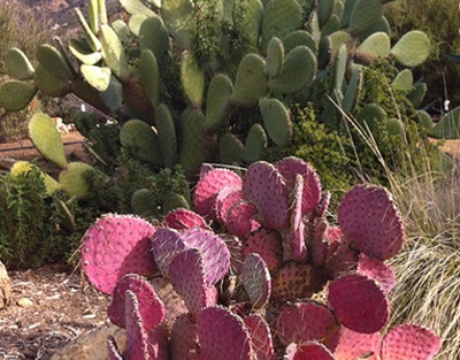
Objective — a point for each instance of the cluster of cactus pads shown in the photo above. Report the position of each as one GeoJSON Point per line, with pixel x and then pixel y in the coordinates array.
{"type": "Point", "coordinates": [228, 56]}
{"type": "Point", "coordinates": [274, 281]}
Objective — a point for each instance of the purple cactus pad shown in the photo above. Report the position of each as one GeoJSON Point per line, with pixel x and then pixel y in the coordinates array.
{"type": "Point", "coordinates": [151, 307]}
{"type": "Point", "coordinates": [166, 244]}
{"type": "Point", "coordinates": [256, 280]}
{"type": "Point", "coordinates": [262, 343]}
{"type": "Point", "coordinates": [353, 345]}
{"type": "Point", "coordinates": [268, 245]}
{"type": "Point", "coordinates": [182, 219]}
{"type": "Point", "coordinates": [184, 339]}
{"type": "Point", "coordinates": [137, 336]}
{"type": "Point", "coordinates": [240, 220]}
{"type": "Point", "coordinates": [375, 269]}
{"type": "Point", "coordinates": [116, 245]}
{"type": "Point", "coordinates": [305, 321]}
{"type": "Point", "coordinates": [359, 303]}
{"type": "Point", "coordinates": [371, 222]}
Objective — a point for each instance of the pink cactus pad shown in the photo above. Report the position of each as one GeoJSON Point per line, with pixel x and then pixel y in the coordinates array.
{"type": "Point", "coordinates": [214, 252]}
{"type": "Point", "coordinates": [359, 303]}
{"type": "Point", "coordinates": [370, 220]}
{"type": "Point", "coordinates": [256, 279]}
{"type": "Point", "coordinates": [209, 186]}
{"type": "Point", "coordinates": [268, 245]}
{"type": "Point", "coordinates": [319, 247]}
{"type": "Point", "coordinates": [344, 259]}
{"type": "Point", "coordinates": [158, 344]}
{"type": "Point", "coordinates": [186, 274]}
{"type": "Point", "coordinates": [296, 202]}
{"type": "Point", "coordinates": [227, 203]}
{"type": "Point", "coordinates": [137, 336]}
{"type": "Point", "coordinates": [294, 247]}
{"type": "Point", "coordinates": [410, 342]}
{"type": "Point", "coordinates": [305, 321]}
{"type": "Point", "coordinates": [323, 206]}
{"type": "Point", "coordinates": [290, 167]}
{"type": "Point", "coordinates": [221, 196]}
{"type": "Point", "coordinates": [114, 353]}
{"type": "Point", "coordinates": [235, 248]}
{"type": "Point", "coordinates": [240, 220]}
{"type": "Point", "coordinates": [184, 339]}
{"type": "Point", "coordinates": [223, 335]}
{"type": "Point", "coordinates": [352, 345]}
{"type": "Point", "coordinates": [375, 269]}
{"type": "Point", "coordinates": [166, 244]}
{"type": "Point", "coordinates": [181, 219]}
{"type": "Point", "coordinates": [151, 307]}
{"type": "Point", "coordinates": [262, 343]}
{"type": "Point", "coordinates": [264, 187]}
{"type": "Point", "coordinates": [310, 351]}
{"type": "Point", "coordinates": [116, 245]}
{"type": "Point", "coordinates": [295, 281]}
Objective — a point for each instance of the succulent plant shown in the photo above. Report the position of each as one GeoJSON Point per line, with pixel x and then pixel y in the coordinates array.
{"type": "Point", "coordinates": [299, 287]}
{"type": "Point", "coordinates": [185, 83]}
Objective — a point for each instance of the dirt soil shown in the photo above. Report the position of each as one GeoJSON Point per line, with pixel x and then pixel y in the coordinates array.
{"type": "Point", "coordinates": [62, 306]}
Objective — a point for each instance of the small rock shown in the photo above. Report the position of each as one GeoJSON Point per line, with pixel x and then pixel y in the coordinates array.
{"type": "Point", "coordinates": [25, 302]}
{"type": "Point", "coordinates": [5, 287]}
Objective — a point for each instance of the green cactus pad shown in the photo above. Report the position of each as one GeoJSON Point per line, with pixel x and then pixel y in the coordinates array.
{"type": "Point", "coordinates": [325, 8]}
{"type": "Point", "coordinates": [93, 10]}
{"type": "Point", "coordinates": [404, 81]}
{"type": "Point", "coordinates": [299, 38]}
{"type": "Point", "coordinates": [275, 56]}
{"type": "Point", "coordinates": [166, 135]}
{"type": "Point", "coordinates": [352, 91]}
{"type": "Point", "coordinates": [89, 94]}
{"type": "Point", "coordinates": [247, 17]}
{"type": "Point", "coordinates": [113, 96]}
{"type": "Point", "coordinates": [97, 77]}
{"type": "Point", "coordinates": [144, 203]}
{"type": "Point", "coordinates": [195, 146]}
{"type": "Point", "coordinates": [153, 35]}
{"type": "Point", "coordinates": [230, 149]}
{"type": "Point", "coordinates": [192, 78]}
{"type": "Point", "coordinates": [331, 26]}
{"type": "Point", "coordinates": [448, 127]}
{"type": "Point", "coordinates": [84, 53]}
{"type": "Point", "coordinates": [313, 26]}
{"type": "Point", "coordinates": [365, 14]}
{"type": "Point", "coordinates": [251, 81]}
{"type": "Point", "coordinates": [256, 142]}
{"type": "Point", "coordinates": [375, 46]}
{"type": "Point", "coordinates": [16, 95]}
{"type": "Point", "coordinates": [412, 49]}
{"type": "Point", "coordinates": [93, 41]}
{"type": "Point", "coordinates": [371, 116]}
{"type": "Point", "coordinates": [281, 17]}
{"type": "Point", "coordinates": [417, 95]}
{"type": "Point", "coordinates": [21, 167]}
{"type": "Point", "coordinates": [18, 65]}
{"type": "Point", "coordinates": [141, 141]}
{"type": "Point", "coordinates": [179, 19]}
{"type": "Point", "coordinates": [135, 23]}
{"type": "Point", "coordinates": [122, 30]}
{"type": "Point", "coordinates": [173, 201]}
{"type": "Point", "coordinates": [47, 140]}
{"type": "Point", "coordinates": [149, 76]}
{"type": "Point", "coordinates": [324, 52]}
{"type": "Point", "coordinates": [425, 119]}
{"type": "Point", "coordinates": [299, 69]}
{"type": "Point", "coordinates": [114, 52]}
{"type": "Point", "coordinates": [74, 179]}
{"type": "Point", "coordinates": [218, 102]}
{"type": "Point", "coordinates": [381, 26]}
{"type": "Point", "coordinates": [340, 66]}
{"type": "Point", "coordinates": [339, 38]}
{"type": "Point", "coordinates": [53, 61]}
{"type": "Point", "coordinates": [347, 10]}
{"type": "Point", "coordinates": [49, 84]}
{"type": "Point", "coordinates": [135, 7]}
{"type": "Point", "coordinates": [276, 120]}
{"type": "Point", "coordinates": [395, 127]}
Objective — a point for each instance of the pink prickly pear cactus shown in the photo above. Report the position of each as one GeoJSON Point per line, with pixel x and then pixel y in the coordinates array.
{"type": "Point", "coordinates": [309, 351]}
{"type": "Point", "coordinates": [256, 279]}
{"type": "Point", "coordinates": [371, 222]}
{"type": "Point", "coordinates": [209, 186]}
{"type": "Point", "coordinates": [114, 246]}
{"type": "Point", "coordinates": [182, 219]}
{"type": "Point", "coordinates": [359, 303]}
{"type": "Point", "coordinates": [184, 339]}
{"type": "Point", "coordinates": [305, 321]}
{"type": "Point", "coordinates": [351, 345]}
{"type": "Point", "coordinates": [151, 308]}
{"type": "Point", "coordinates": [262, 343]}
{"type": "Point", "coordinates": [223, 335]}
{"type": "Point", "coordinates": [375, 269]}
